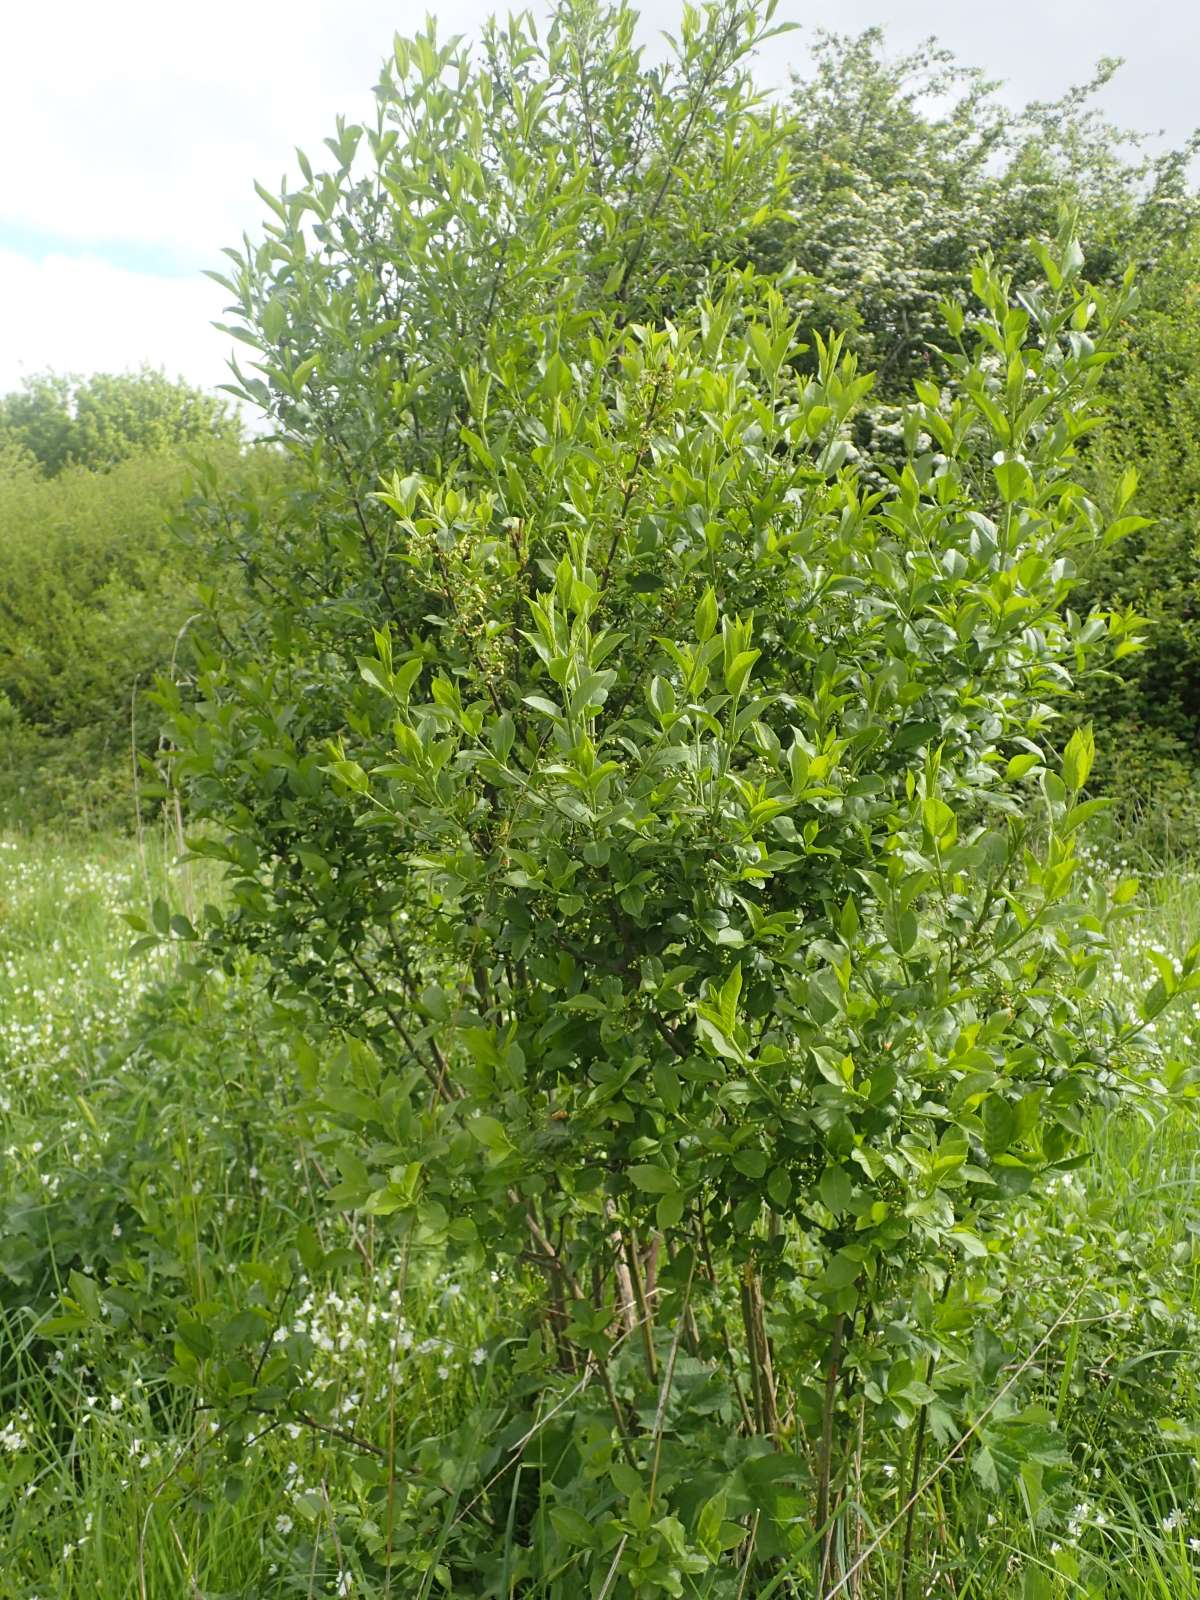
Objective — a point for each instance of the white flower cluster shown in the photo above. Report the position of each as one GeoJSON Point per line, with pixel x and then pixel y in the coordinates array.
{"type": "Point", "coordinates": [12, 1436]}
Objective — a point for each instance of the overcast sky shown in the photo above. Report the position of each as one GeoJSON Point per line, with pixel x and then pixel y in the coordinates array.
{"type": "Point", "coordinates": [132, 132]}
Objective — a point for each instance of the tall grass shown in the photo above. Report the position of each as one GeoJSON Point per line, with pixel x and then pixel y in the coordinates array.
{"type": "Point", "coordinates": [142, 1140]}
{"type": "Point", "coordinates": [136, 1136]}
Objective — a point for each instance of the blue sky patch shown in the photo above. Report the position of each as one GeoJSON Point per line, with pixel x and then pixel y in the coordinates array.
{"type": "Point", "coordinates": [131, 255]}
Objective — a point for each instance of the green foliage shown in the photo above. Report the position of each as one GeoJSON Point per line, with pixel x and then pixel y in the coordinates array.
{"type": "Point", "coordinates": [654, 882]}
{"type": "Point", "coordinates": [94, 587]}
{"type": "Point", "coordinates": [106, 418]}
{"type": "Point", "coordinates": [901, 171]}
{"type": "Point", "coordinates": [656, 829]}
{"type": "Point", "coordinates": [904, 169]}
{"type": "Point", "coordinates": [96, 591]}
{"type": "Point", "coordinates": [164, 1228]}
{"type": "Point", "coordinates": [682, 891]}
{"type": "Point", "coordinates": [543, 178]}
{"type": "Point", "coordinates": [91, 589]}
{"type": "Point", "coordinates": [1152, 709]}
{"type": "Point", "coordinates": [93, 594]}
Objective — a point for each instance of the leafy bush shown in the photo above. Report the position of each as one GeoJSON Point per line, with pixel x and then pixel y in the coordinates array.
{"type": "Point", "coordinates": [385, 340]}
{"type": "Point", "coordinates": [164, 1229]}
{"type": "Point", "coordinates": [681, 894]}
{"type": "Point", "coordinates": [904, 169]}
{"type": "Point", "coordinates": [741, 968]}
{"type": "Point", "coordinates": [97, 421]}
{"type": "Point", "coordinates": [95, 586]}
{"type": "Point", "coordinates": [1152, 710]}
{"type": "Point", "coordinates": [96, 591]}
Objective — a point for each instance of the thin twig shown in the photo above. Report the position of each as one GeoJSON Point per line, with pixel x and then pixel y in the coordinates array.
{"type": "Point", "coordinates": [664, 1394]}
{"type": "Point", "coordinates": [612, 1571]}
{"type": "Point", "coordinates": [342, 1434]}
{"type": "Point", "coordinates": [824, 1517]}
{"type": "Point", "coordinates": [750, 1543]}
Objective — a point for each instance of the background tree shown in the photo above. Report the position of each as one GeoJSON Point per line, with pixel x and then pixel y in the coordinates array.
{"type": "Point", "coordinates": [904, 168]}
{"type": "Point", "coordinates": [901, 170]}
{"type": "Point", "coordinates": [94, 590]}
{"type": "Point", "coordinates": [100, 420]}
{"type": "Point", "coordinates": [95, 583]}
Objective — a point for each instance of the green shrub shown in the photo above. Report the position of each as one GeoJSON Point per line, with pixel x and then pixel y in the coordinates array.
{"type": "Point", "coordinates": [1151, 712]}
{"type": "Point", "coordinates": [93, 594]}
{"type": "Point", "coordinates": [656, 833]}
{"type": "Point", "coordinates": [100, 420]}
{"type": "Point", "coordinates": [153, 1182]}
{"type": "Point", "coordinates": [97, 589]}
{"type": "Point", "coordinates": [91, 589]}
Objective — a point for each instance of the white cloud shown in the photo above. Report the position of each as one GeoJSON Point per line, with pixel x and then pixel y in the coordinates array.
{"type": "Point", "coordinates": [81, 314]}
{"type": "Point", "coordinates": [150, 120]}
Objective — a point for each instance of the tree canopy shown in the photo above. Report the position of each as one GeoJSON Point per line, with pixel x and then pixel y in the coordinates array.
{"type": "Point", "coordinates": [106, 418]}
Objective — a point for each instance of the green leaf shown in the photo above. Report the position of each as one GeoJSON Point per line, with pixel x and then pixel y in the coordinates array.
{"type": "Point", "coordinates": [405, 677]}
{"type": "Point", "coordinates": [1013, 481]}
{"type": "Point", "coordinates": [538, 702]}
{"type": "Point", "coordinates": [491, 1135]}
{"type": "Point", "coordinates": [835, 1189]}
{"type": "Point", "coordinates": [710, 1521]}
{"type": "Point", "coordinates": [1127, 487]}
{"type": "Point", "coordinates": [573, 1527]}
{"type": "Point", "coordinates": [85, 1292]}
{"type": "Point", "coordinates": [653, 1179]}
{"type": "Point", "coordinates": [706, 616]}
{"type": "Point", "coordinates": [1020, 765]}
{"type": "Point", "coordinates": [984, 1468]}
{"type": "Point", "coordinates": [999, 1124]}
{"type": "Point", "coordinates": [661, 696]}
{"type": "Point", "coordinates": [477, 448]}
{"type": "Point", "coordinates": [739, 670]}
{"type": "Point", "coordinates": [901, 928]}
{"type": "Point", "coordinates": [750, 1163]}
{"type": "Point", "coordinates": [1083, 813]}
{"type": "Point", "coordinates": [1078, 758]}
{"type": "Point", "coordinates": [840, 1272]}
{"type": "Point", "coordinates": [731, 991]}
{"type": "Point", "coordinates": [303, 373]}
{"type": "Point", "coordinates": [195, 1336]}
{"type": "Point", "coordinates": [501, 735]}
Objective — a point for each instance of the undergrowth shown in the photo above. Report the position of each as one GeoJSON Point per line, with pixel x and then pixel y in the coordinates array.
{"type": "Point", "coordinates": [156, 1151]}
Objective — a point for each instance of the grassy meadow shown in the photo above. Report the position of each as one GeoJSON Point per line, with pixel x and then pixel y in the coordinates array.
{"type": "Point", "coordinates": [138, 1146]}
{"type": "Point", "coordinates": [148, 1145]}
